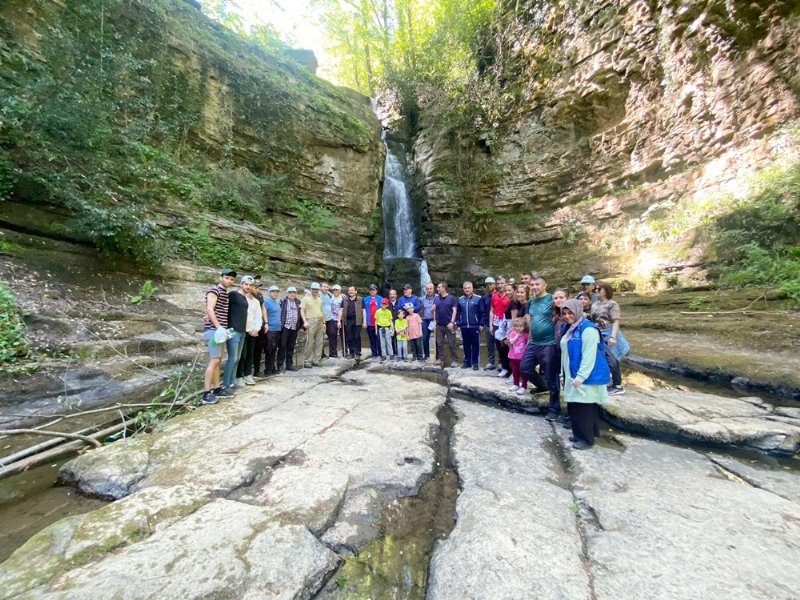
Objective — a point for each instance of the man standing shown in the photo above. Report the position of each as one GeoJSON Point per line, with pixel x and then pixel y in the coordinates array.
{"type": "Point", "coordinates": [486, 306]}
{"type": "Point", "coordinates": [311, 313]}
{"type": "Point", "coordinates": [587, 286]}
{"type": "Point", "coordinates": [408, 296]}
{"type": "Point", "coordinates": [541, 349]}
{"type": "Point", "coordinates": [445, 308]}
{"type": "Point", "coordinates": [470, 319]}
{"type": "Point", "coordinates": [327, 316]}
{"type": "Point", "coordinates": [333, 325]}
{"type": "Point", "coordinates": [372, 304]}
{"type": "Point", "coordinates": [351, 319]}
{"type": "Point", "coordinates": [427, 319]}
{"type": "Point", "coordinates": [237, 320]}
{"type": "Point", "coordinates": [273, 309]}
{"type": "Point", "coordinates": [260, 344]}
{"type": "Point", "coordinates": [216, 319]}
{"type": "Point", "coordinates": [291, 323]}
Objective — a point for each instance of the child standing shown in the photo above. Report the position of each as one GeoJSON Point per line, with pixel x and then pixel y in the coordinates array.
{"type": "Point", "coordinates": [414, 331]}
{"type": "Point", "coordinates": [517, 340]}
{"type": "Point", "coordinates": [384, 329]}
{"type": "Point", "coordinates": [401, 330]}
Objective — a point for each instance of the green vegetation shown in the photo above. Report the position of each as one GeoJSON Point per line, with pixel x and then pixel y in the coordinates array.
{"type": "Point", "coordinates": [13, 343]}
{"type": "Point", "coordinates": [145, 293]}
{"type": "Point", "coordinates": [105, 119]}
{"type": "Point", "coordinates": [757, 243]}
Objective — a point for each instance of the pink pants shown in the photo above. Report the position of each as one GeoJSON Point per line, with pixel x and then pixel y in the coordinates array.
{"type": "Point", "coordinates": [519, 378]}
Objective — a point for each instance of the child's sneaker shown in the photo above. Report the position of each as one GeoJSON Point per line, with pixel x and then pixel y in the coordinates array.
{"type": "Point", "coordinates": [512, 388]}
{"type": "Point", "coordinates": [616, 390]}
{"type": "Point", "coordinates": [520, 392]}
{"type": "Point", "coordinates": [502, 373]}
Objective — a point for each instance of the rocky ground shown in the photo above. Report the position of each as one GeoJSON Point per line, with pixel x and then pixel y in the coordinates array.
{"type": "Point", "coordinates": [380, 482]}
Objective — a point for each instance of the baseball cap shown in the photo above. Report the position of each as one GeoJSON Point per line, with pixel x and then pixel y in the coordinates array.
{"type": "Point", "coordinates": [489, 280]}
{"type": "Point", "coordinates": [247, 279]}
{"type": "Point", "coordinates": [230, 272]}
{"type": "Point", "coordinates": [407, 305]}
{"type": "Point", "coordinates": [315, 286]}
{"type": "Point", "coordinates": [385, 301]}
{"type": "Point", "coordinates": [587, 279]}
{"type": "Point", "coordinates": [336, 286]}
{"type": "Point", "coordinates": [220, 336]}
{"type": "Point", "coordinates": [408, 286]}
{"type": "Point", "coordinates": [291, 288]}
{"type": "Point", "coordinates": [274, 288]}
{"type": "Point", "coordinates": [372, 286]}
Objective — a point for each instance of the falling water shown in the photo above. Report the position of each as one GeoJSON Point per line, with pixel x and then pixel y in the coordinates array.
{"type": "Point", "coordinates": [400, 235]}
{"type": "Point", "coordinates": [424, 277]}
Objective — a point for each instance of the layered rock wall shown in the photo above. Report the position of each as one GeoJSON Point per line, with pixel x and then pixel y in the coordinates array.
{"type": "Point", "coordinates": [651, 115]}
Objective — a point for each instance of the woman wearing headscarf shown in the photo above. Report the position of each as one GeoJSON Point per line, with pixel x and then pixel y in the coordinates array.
{"type": "Point", "coordinates": [585, 372]}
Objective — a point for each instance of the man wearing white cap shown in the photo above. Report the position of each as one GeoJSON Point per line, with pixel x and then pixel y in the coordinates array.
{"type": "Point", "coordinates": [311, 313]}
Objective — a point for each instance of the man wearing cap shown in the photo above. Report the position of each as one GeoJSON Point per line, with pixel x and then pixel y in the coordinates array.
{"type": "Point", "coordinates": [237, 321]}
{"type": "Point", "coordinates": [587, 286]}
{"type": "Point", "coordinates": [350, 321]}
{"type": "Point", "coordinates": [486, 306]}
{"type": "Point", "coordinates": [372, 304]}
{"type": "Point", "coordinates": [427, 318]}
{"type": "Point", "coordinates": [273, 309]}
{"type": "Point", "coordinates": [408, 296]}
{"type": "Point", "coordinates": [332, 327]}
{"type": "Point", "coordinates": [328, 319]}
{"type": "Point", "coordinates": [216, 318]}
{"type": "Point", "coordinates": [291, 323]}
{"type": "Point", "coordinates": [311, 313]}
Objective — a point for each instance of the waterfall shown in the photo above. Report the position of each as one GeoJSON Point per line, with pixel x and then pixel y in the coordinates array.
{"type": "Point", "coordinates": [400, 239]}
{"type": "Point", "coordinates": [424, 277]}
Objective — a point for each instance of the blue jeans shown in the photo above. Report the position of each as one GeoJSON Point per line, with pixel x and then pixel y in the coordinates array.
{"type": "Point", "coordinates": [385, 335]}
{"type": "Point", "coordinates": [426, 337]}
{"type": "Point", "coordinates": [471, 336]}
{"type": "Point", "coordinates": [235, 345]}
{"type": "Point", "coordinates": [545, 358]}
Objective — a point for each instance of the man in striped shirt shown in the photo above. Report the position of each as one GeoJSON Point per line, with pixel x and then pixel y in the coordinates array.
{"type": "Point", "coordinates": [216, 317]}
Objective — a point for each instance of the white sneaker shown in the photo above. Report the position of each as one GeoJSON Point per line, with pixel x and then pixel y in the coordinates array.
{"type": "Point", "coordinates": [520, 391]}
{"type": "Point", "coordinates": [502, 373]}
{"type": "Point", "coordinates": [238, 382]}
{"type": "Point", "coordinates": [249, 380]}
{"type": "Point", "coordinates": [510, 379]}
{"type": "Point", "coordinates": [512, 388]}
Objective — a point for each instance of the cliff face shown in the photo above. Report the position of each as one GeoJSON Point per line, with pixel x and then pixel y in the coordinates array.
{"type": "Point", "coordinates": [644, 119]}
{"type": "Point", "coordinates": [144, 129]}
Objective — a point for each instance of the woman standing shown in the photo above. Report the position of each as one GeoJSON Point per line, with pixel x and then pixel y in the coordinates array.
{"type": "Point", "coordinates": [605, 313]}
{"type": "Point", "coordinates": [585, 372]}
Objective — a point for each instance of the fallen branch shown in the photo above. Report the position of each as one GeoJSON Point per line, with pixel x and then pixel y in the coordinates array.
{"type": "Point", "coordinates": [61, 434]}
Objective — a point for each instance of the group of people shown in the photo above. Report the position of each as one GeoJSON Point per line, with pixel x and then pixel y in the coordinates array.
{"type": "Point", "coordinates": [548, 339]}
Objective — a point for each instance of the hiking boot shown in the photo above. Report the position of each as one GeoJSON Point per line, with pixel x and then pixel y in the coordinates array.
{"type": "Point", "coordinates": [489, 367]}
{"type": "Point", "coordinates": [209, 398]}
{"type": "Point", "coordinates": [248, 380]}
{"type": "Point", "coordinates": [226, 392]}
{"type": "Point", "coordinates": [616, 390]}
{"type": "Point", "coordinates": [580, 444]}
{"type": "Point", "coordinates": [551, 416]}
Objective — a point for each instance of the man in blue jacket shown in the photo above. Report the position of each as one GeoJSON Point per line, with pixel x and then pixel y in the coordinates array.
{"type": "Point", "coordinates": [469, 318]}
{"type": "Point", "coordinates": [372, 302]}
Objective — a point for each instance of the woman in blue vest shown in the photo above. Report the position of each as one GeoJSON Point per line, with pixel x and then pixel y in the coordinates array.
{"type": "Point", "coordinates": [585, 372]}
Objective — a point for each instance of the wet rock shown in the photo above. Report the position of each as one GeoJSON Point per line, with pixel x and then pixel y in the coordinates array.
{"type": "Point", "coordinates": [515, 534]}
{"type": "Point", "coordinates": [705, 418]}
{"type": "Point", "coordinates": [226, 549]}
{"type": "Point", "coordinates": [110, 474]}
{"type": "Point", "coordinates": [777, 480]}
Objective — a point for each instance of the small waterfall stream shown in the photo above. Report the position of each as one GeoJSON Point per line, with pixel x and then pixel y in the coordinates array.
{"type": "Point", "coordinates": [403, 262]}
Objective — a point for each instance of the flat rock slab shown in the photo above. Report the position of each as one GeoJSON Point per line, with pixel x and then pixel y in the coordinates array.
{"type": "Point", "coordinates": [663, 522]}
{"type": "Point", "coordinates": [204, 500]}
{"type": "Point", "coordinates": [487, 387]}
{"type": "Point", "coordinates": [515, 534]}
{"type": "Point", "coordinates": [705, 418]}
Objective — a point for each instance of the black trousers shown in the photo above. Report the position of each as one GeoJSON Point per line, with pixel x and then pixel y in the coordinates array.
{"type": "Point", "coordinates": [585, 420]}
{"type": "Point", "coordinates": [415, 347]}
{"type": "Point", "coordinates": [273, 343]}
{"type": "Point", "coordinates": [545, 358]}
{"type": "Point", "coordinates": [613, 364]}
{"type": "Point", "coordinates": [374, 342]}
{"type": "Point", "coordinates": [258, 349]}
{"type": "Point", "coordinates": [352, 334]}
{"type": "Point", "coordinates": [502, 352]}
{"type": "Point", "coordinates": [245, 364]}
{"type": "Point", "coordinates": [332, 332]}
{"type": "Point", "coordinates": [286, 348]}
